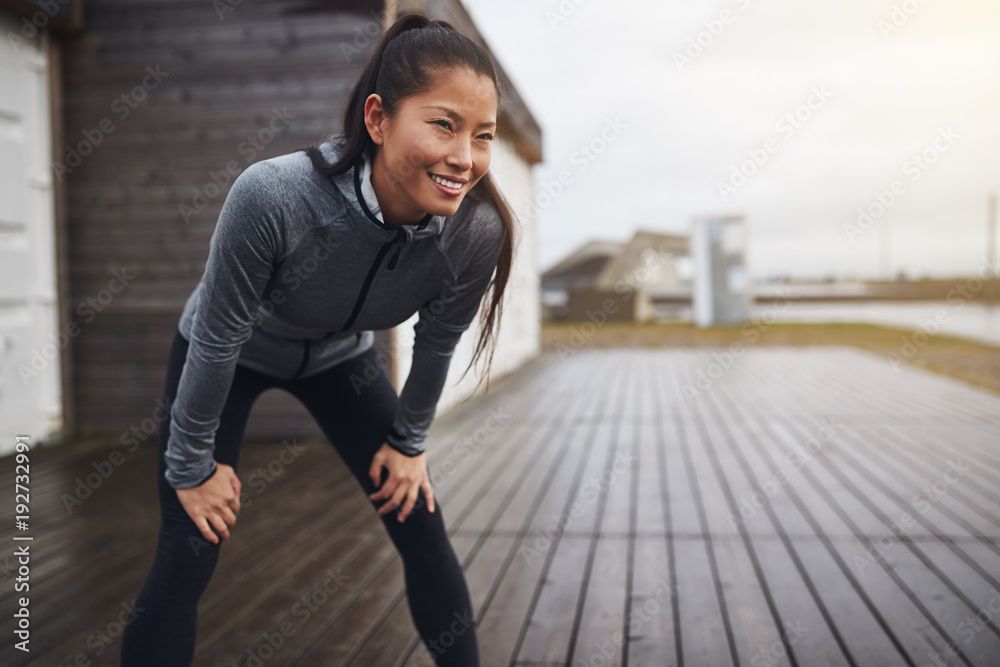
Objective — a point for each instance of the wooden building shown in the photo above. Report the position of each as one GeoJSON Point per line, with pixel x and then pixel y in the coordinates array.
{"type": "Point", "coordinates": [122, 122]}
{"type": "Point", "coordinates": [642, 279]}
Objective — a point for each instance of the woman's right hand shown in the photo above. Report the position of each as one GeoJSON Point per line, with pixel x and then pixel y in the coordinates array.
{"type": "Point", "coordinates": [214, 503]}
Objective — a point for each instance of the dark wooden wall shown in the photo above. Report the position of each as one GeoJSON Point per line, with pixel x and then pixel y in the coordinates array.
{"type": "Point", "coordinates": [225, 75]}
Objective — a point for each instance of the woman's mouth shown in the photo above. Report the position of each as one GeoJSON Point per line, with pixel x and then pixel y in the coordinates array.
{"type": "Point", "coordinates": [450, 188]}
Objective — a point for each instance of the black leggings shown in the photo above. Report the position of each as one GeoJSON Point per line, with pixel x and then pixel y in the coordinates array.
{"type": "Point", "coordinates": [163, 632]}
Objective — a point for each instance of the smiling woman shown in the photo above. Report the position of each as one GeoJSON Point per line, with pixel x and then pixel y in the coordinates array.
{"type": "Point", "coordinates": [312, 252]}
{"type": "Point", "coordinates": [427, 104]}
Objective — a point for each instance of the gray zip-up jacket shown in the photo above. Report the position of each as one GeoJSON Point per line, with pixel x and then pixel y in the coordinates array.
{"type": "Point", "coordinates": [300, 273]}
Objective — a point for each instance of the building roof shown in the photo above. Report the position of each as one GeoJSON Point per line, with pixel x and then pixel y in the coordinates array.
{"type": "Point", "coordinates": [647, 259]}
{"type": "Point", "coordinates": [582, 266]}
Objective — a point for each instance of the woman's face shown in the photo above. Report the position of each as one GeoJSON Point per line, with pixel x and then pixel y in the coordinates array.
{"type": "Point", "coordinates": [443, 134]}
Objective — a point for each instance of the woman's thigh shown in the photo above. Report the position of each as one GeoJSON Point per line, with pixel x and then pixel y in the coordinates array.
{"type": "Point", "coordinates": [246, 386]}
{"type": "Point", "coordinates": [354, 403]}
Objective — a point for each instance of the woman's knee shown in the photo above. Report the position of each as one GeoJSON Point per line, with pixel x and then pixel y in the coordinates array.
{"type": "Point", "coordinates": [422, 533]}
{"type": "Point", "coordinates": [182, 566]}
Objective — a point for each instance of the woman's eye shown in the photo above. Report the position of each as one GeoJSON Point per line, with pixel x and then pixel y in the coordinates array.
{"type": "Point", "coordinates": [447, 125]}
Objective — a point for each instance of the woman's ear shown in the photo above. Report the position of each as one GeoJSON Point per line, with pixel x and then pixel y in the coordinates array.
{"type": "Point", "coordinates": [374, 117]}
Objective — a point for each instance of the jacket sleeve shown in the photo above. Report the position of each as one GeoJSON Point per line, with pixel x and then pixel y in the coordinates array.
{"type": "Point", "coordinates": [441, 323]}
{"type": "Point", "coordinates": [241, 258]}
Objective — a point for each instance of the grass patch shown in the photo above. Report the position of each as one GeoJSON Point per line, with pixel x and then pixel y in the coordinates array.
{"type": "Point", "coordinates": [972, 362]}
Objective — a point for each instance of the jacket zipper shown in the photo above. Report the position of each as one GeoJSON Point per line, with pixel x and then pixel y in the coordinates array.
{"type": "Point", "coordinates": [305, 359]}
{"type": "Point", "coordinates": [395, 255]}
{"type": "Point", "coordinates": [361, 296]}
{"type": "Point", "coordinates": [371, 274]}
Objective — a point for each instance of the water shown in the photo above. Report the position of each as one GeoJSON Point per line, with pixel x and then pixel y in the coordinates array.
{"type": "Point", "coordinates": [965, 319]}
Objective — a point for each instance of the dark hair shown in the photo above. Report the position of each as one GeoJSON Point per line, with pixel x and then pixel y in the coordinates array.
{"type": "Point", "coordinates": [409, 56]}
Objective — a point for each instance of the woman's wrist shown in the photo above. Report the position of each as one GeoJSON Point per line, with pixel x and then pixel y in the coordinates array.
{"type": "Point", "coordinates": [406, 452]}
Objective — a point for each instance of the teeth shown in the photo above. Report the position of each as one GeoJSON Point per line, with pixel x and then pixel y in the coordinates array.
{"type": "Point", "coordinates": [446, 183]}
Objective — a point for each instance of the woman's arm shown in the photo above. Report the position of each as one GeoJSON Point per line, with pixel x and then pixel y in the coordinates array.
{"type": "Point", "coordinates": [242, 253]}
{"type": "Point", "coordinates": [442, 321]}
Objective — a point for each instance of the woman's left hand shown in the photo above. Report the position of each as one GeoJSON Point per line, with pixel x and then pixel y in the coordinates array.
{"type": "Point", "coordinates": [407, 476]}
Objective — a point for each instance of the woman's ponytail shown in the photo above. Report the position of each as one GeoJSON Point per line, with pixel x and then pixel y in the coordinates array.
{"type": "Point", "coordinates": [358, 141]}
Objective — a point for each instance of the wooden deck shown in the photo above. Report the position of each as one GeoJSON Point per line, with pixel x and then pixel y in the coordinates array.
{"type": "Point", "coordinates": [812, 506]}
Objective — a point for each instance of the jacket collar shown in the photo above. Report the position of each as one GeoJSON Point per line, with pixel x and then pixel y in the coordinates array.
{"type": "Point", "coordinates": [369, 224]}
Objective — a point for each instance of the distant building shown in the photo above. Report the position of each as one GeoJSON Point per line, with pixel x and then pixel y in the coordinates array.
{"type": "Point", "coordinates": [722, 288]}
{"type": "Point", "coordinates": [646, 277]}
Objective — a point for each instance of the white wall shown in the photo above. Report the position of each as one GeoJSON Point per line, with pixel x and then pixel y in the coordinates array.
{"type": "Point", "coordinates": [520, 328]}
{"type": "Point", "coordinates": [30, 389]}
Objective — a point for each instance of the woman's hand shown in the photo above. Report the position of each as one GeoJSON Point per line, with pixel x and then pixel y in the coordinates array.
{"type": "Point", "coordinates": [215, 502]}
{"type": "Point", "coordinates": [407, 475]}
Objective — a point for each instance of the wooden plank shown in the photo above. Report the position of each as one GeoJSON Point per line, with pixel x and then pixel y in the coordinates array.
{"type": "Point", "coordinates": [654, 586]}
{"type": "Point", "coordinates": [603, 628]}
{"type": "Point", "coordinates": [601, 637]}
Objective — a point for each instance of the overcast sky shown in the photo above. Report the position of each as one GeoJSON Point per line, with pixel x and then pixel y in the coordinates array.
{"type": "Point", "coordinates": [887, 80]}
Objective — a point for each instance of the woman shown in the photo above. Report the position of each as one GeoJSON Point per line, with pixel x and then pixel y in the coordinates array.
{"type": "Point", "coordinates": [312, 252]}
